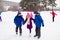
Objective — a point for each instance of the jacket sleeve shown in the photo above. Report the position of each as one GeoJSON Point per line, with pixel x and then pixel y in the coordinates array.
{"type": "Point", "coordinates": [22, 21]}
{"type": "Point", "coordinates": [25, 21]}
{"type": "Point", "coordinates": [41, 20]}
{"type": "Point", "coordinates": [42, 23]}
{"type": "Point", "coordinates": [33, 20]}
{"type": "Point", "coordinates": [55, 14]}
{"type": "Point", "coordinates": [15, 20]}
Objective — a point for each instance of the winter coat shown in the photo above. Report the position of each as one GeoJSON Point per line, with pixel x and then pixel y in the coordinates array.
{"type": "Point", "coordinates": [38, 21]}
{"type": "Point", "coordinates": [53, 13]}
{"type": "Point", "coordinates": [29, 26]}
{"type": "Point", "coordinates": [18, 20]}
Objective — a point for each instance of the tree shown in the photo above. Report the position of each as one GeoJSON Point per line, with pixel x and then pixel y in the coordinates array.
{"type": "Point", "coordinates": [8, 5]}
{"type": "Point", "coordinates": [30, 5]}
{"type": "Point", "coordinates": [52, 3]}
{"type": "Point", "coordinates": [1, 6]}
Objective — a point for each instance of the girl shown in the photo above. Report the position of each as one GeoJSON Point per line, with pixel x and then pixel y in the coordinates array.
{"type": "Point", "coordinates": [29, 21]}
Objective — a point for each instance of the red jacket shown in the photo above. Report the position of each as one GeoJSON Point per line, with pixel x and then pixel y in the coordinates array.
{"type": "Point", "coordinates": [53, 13]}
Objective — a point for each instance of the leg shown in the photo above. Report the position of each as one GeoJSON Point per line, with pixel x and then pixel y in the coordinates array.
{"type": "Point", "coordinates": [16, 30]}
{"type": "Point", "coordinates": [53, 18]}
{"type": "Point", "coordinates": [39, 32]}
{"type": "Point", "coordinates": [30, 31]}
{"type": "Point", "coordinates": [36, 32]}
{"type": "Point", "coordinates": [20, 29]}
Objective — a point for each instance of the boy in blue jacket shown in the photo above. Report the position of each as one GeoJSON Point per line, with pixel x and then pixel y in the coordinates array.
{"type": "Point", "coordinates": [38, 22]}
{"type": "Point", "coordinates": [18, 20]}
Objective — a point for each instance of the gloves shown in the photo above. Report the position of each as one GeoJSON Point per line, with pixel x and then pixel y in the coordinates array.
{"type": "Point", "coordinates": [43, 25]}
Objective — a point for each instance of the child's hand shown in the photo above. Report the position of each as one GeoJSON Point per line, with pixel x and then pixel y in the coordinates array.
{"type": "Point", "coordinates": [43, 25]}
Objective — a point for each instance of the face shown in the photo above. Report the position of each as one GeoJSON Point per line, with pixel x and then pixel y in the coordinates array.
{"type": "Point", "coordinates": [20, 15]}
{"type": "Point", "coordinates": [38, 10]}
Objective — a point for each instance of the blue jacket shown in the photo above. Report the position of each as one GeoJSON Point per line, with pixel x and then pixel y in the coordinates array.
{"type": "Point", "coordinates": [18, 20]}
{"type": "Point", "coordinates": [38, 21]}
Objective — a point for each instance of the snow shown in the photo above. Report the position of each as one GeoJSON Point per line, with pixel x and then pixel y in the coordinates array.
{"type": "Point", "coordinates": [51, 30]}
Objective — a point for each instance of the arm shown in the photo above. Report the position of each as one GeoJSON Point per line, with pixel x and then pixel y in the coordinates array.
{"type": "Point", "coordinates": [55, 14]}
{"type": "Point", "coordinates": [15, 20]}
{"type": "Point", "coordinates": [33, 20]}
{"type": "Point", "coordinates": [22, 21]}
{"type": "Point", "coordinates": [25, 21]}
{"type": "Point", "coordinates": [41, 20]}
{"type": "Point", "coordinates": [42, 23]}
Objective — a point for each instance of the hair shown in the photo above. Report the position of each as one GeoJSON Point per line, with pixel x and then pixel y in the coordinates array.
{"type": "Point", "coordinates": [29, 15]}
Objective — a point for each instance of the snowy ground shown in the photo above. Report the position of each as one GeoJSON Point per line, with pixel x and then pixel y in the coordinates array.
{"type": "Point", "coordinates": [51, 30]}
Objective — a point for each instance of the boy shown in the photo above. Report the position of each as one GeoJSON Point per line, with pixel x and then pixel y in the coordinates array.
{"type": "Point", "coordinates": [38, 22]}
{"type": "Point", "coordinates": [18, 20]}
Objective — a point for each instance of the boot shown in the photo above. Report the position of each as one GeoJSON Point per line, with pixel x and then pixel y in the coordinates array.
{"type": "Point", "coordinates": [35, 35]}
{"type": "Point", "coordinates": [20, 34]}
{"type": "Point", "coordinates": [16, 32]}
{"type": "Point", "coordinates": [38, 37]}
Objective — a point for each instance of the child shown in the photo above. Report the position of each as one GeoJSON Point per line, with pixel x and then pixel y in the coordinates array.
{"type": "Point", "coordinates": [53, 15]}
{"type": "Point", "coordinates": [38, 22]}
{"type": "Point", "coordinates": [29, 21]}
{"type": "Point", "coordinates": [18, 20]}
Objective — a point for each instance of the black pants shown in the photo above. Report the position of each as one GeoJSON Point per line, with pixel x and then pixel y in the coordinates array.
{"type": "Point", "coordinates": [20, 29]}
{"type": "Point", "coordinates": [53, 18]}
{"type": "Point", "coordinates": [30, 31]}
{"type": "Point", "coordinates": [38, 32]}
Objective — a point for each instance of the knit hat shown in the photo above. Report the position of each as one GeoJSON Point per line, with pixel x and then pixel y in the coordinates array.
{"type": "Point", "coordinates": [35, 12]}
{"type": "Point", "coordinates": [19, 12]}
{"type": "Point", "coordinates": [29, 15]}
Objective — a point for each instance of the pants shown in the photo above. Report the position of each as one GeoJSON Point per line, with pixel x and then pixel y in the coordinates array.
{"type": "Point", "coordinates": [29, 30]}
{"type": "Point", "coordinates": [38, 33]}
{"type": "Point", "coordinates": [20, 29]}
{"type": "Point", "coordinates": [53, 18]}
